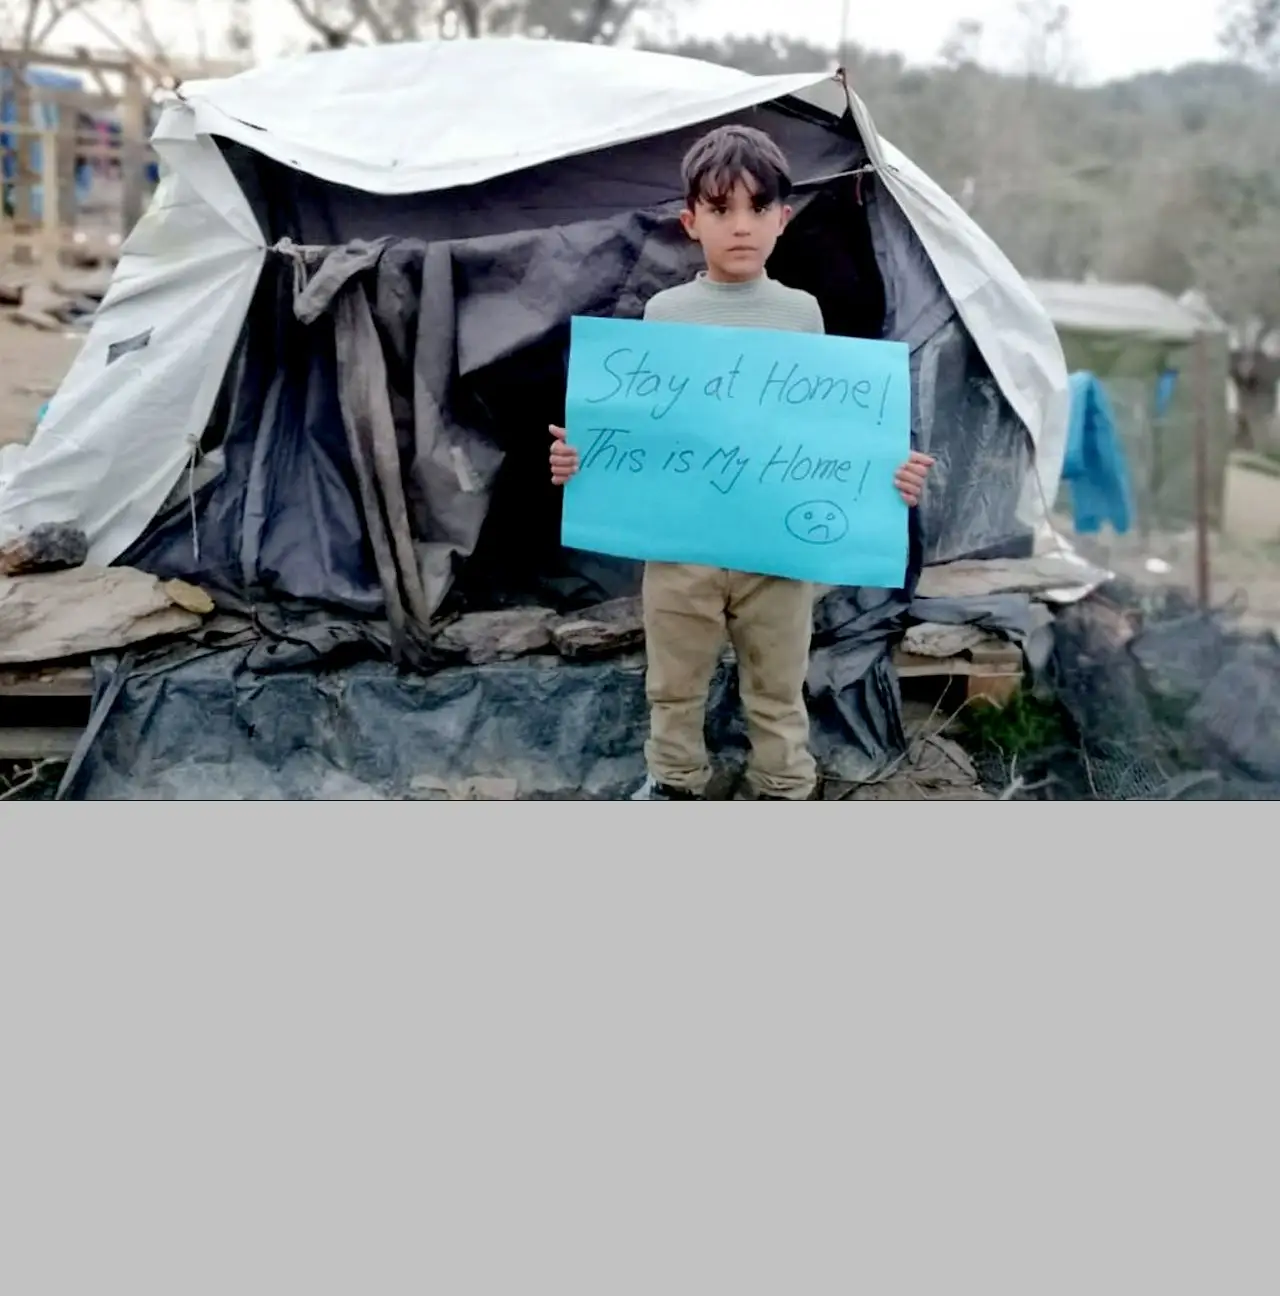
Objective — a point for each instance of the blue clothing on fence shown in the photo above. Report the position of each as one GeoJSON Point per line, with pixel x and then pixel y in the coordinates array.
{"type": "Point", "coordinates": [1166, 384]}
{"type": "Point", "coordinates": [1095, 463]}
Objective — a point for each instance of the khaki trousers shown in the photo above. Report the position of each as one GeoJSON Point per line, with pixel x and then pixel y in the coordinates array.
{"type": "Point", "coordinates": [688, 612]}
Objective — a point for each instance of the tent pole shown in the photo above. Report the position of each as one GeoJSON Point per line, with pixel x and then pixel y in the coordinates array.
{"type": "Point", "coordinates": [1202, 471]}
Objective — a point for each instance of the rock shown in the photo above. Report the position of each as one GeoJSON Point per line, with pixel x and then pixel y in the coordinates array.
{"type": "Point", "coordinates": [1101, 624]}
{"type": "Point", "coordinates": [190, 597]}
{"type": "Point", "coordinates": [47, 547]}
{"type": "Point", "coordinates": [1240, 709]}
{"type": "Point", "coordinates": [1049, 575]}
{"type": "Point", "coordinates": [931, 639]}
{"type": "Point", "coordinates": [482, 637]}
{"type": "Point", "coordinates": [426, 788]}
{"type": "Point", "coordinates": [87, 609]}
{"type": "Point", "coordinates": [602, 631]}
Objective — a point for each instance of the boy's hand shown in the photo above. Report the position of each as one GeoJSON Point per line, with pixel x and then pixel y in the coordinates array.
{"type": "Point", "coordinates": [564, 458]}
{"type": "Point", "coordinates": [909, 479]}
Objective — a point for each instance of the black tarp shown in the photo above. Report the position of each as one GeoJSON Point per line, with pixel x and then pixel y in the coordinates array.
{"type": "Point", "coordinates": [293, 712]}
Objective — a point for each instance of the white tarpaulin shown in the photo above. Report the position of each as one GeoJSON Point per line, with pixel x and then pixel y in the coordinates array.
{"type": "Point", "coordinates": [397, 119]}
{"type": "Point", "coordinates": [405, 119]}
{"type": "Point", "coordinates": [121, 427]}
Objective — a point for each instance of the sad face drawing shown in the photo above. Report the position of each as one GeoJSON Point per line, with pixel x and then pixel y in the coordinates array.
{"type": "Point", "coordinates": [817, 522]}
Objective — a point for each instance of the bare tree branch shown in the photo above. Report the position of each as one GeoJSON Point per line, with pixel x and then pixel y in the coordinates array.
{"type": "Point", "coordinates": [342, 22]}
{"type": "Point", "coordinates": [334, 35]}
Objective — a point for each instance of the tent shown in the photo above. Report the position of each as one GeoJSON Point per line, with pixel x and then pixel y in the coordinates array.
{"type": "Point", "coordinates": [320, 383]}
{"type": "Point", "coordinates": [1142, 345]}
{"type": "Point", "coordinates": [326, 362]}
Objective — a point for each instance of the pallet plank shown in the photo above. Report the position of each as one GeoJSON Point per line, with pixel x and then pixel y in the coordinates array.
{"type": "Point", "coordinates": [992, 672]}
{"type": "Point", "coordinates": [910, 665]}
{"type": "Point", "coordinates": [47, 682]}
{"type": "Point", "coordinates": [39, 743]}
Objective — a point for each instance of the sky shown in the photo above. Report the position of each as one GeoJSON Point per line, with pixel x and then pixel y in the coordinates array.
{"type": "Point", "coordinates": [1112, 38]}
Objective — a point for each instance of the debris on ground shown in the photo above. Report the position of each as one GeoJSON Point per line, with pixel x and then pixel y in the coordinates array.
{"type": "Point", "coordinates": [69, 300]}
{"type": "Point", "coordinates": [30, 780]}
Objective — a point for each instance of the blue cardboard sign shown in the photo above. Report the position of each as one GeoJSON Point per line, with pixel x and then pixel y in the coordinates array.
{"type": "Point", "coordinates": [750, 449]}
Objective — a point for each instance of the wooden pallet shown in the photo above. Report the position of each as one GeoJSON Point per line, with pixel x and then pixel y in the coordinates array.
{"type": "Point", "coordinates": [26, 693]}
{"type": "Point", "coordinates": [992, 672]}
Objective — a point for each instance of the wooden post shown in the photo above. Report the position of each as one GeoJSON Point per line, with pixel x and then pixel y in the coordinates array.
{"type": "Point", "coordinates": [1203, 591]}
{"type": "Point", "coordinates": [133, 126]}
{"type": "Point", "coordinates": [23, 172]}
{"type": "Point", "coordinates": [50, 201]}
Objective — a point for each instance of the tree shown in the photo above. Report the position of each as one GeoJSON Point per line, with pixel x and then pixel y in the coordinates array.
{"type": "Point", "coordinates": [1252, 258]}
{"type": "Point", "coordinates": [761, 55]}
{"type": "Point", "coordinates": [28, 24]}
{"type": "Point", "coordinates": [1252, 32]}
{"type": "Point", "coordinates": [1048, 48]}
{"type": "Point", "coordinates": [345, 22]}
{"type": "Point", "coordinates": [962, 46]}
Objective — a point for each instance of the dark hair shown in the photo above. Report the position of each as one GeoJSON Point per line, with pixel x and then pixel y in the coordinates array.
{"type": "Point", "coordinates": [728, 154]}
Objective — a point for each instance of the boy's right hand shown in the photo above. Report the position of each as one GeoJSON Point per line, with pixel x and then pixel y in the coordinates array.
{"type": "Point", "coordinates": [564, 458]}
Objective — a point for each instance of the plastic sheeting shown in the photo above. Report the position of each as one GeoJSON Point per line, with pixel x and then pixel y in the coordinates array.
{"type": "Point", "coordinates": [468, 343]}
{"type": "Point", "coordinates": [434, 115]}
{"type": "Point", "coordinates": [126, 419]}
{"type": "Point", "coordinates": [240, 720]}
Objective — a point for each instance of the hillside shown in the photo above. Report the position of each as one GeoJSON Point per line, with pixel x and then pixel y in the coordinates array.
{"type": "Point", "coordinates": [1168, 178]}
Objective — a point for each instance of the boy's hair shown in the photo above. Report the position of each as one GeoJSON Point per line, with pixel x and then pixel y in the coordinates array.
{"type": "Point", "coordinates": [728, 154]}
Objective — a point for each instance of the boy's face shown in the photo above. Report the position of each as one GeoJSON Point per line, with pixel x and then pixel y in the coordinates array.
{"type": "Point", "coordinates": [737, 231]}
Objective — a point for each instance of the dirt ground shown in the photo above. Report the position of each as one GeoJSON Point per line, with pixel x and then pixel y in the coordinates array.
{"type": "Point", "coordinates": [32, 364]}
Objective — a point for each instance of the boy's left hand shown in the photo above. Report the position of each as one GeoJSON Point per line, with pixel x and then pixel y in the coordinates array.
{"type": "Point", "coordinates": [909, 479]}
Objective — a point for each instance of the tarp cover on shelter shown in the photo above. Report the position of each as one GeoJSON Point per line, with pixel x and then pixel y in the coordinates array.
{"type": "Point", "coordinates": [324, 370]}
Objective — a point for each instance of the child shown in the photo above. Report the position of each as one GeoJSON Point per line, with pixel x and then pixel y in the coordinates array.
{"type": "Point", "coordinates": [736, 184]}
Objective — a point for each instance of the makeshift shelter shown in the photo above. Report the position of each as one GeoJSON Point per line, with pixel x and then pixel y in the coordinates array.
{"type": "Point", "coordinates": [1142, 345]}
{"type": "Point", "coordinates": [325, 368]}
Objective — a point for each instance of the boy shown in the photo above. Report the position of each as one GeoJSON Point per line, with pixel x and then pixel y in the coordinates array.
{"type": "Point", "coordinates": [736, 184]}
